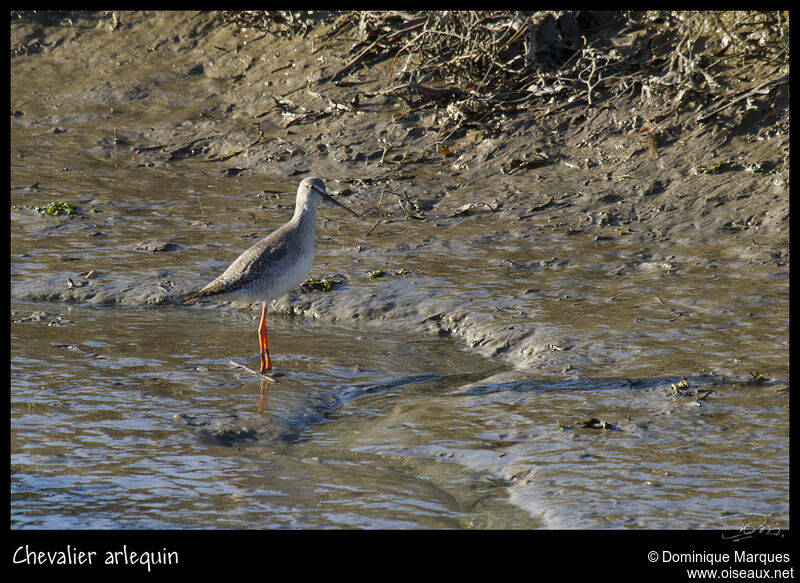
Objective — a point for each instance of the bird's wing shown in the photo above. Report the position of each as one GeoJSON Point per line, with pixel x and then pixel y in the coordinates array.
{"type": "Point", "coordinates": [250, 265]}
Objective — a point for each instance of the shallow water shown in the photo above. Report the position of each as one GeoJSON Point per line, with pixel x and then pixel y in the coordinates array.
{"type": "Point", "coordinates": [113, 429]}
{"type": "Point", "coordinates": [523, 374]}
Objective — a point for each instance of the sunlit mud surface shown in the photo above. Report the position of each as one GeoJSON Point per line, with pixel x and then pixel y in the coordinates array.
{"type": "Point", "coordinates": [539, 351]}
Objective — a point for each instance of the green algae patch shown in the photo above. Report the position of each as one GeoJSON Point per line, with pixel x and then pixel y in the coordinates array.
{"type": "Point", "coordinates": [320, 284]}
{"type": "Point", "coordinates": [57, 208]}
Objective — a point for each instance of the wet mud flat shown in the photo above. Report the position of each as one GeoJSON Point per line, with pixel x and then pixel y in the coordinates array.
{"type": "Point", "coordinates": [546, 240]}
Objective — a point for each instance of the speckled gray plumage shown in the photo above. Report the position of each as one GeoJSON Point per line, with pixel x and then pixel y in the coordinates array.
{"type": "Point", "coordinates": [277, 263]}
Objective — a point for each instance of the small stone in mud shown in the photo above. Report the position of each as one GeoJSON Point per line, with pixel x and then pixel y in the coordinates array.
{"type": "Point", "coordinates": [156, 246]}
{"type": "Point", "coordinates": [595, 423]}
{"type": "Point", "coordinates": [654, 187]}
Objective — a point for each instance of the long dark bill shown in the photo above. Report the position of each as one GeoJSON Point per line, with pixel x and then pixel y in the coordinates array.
{"type": "Point", "coordinates": [328, 197]}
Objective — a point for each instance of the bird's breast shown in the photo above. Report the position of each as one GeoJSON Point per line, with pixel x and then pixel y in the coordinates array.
{"type": "Point", "coordinates": [280, 278]}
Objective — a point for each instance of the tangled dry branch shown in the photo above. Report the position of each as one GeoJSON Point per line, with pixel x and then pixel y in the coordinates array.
{"type": "Point", "coordinates": [481, 64]}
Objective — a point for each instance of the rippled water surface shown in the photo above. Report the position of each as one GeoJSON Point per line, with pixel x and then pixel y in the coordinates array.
{"type": "Point", "coordinates": [117, 431]}
{"type": "Point", "coordinates": [113, 426]}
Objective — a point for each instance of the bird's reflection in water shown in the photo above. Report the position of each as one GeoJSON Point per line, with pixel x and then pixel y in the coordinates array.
{"type": "Point", "coordinates": [263, 399]}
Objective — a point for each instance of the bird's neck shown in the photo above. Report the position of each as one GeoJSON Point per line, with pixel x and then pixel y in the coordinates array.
{"type": "Point", "coordinates": [305, 214]}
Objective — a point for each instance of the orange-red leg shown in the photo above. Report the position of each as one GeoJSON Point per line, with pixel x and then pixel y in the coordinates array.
{"type": "Point", "coordinates": [263, 341]}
